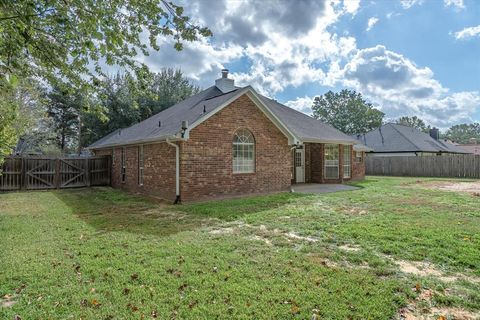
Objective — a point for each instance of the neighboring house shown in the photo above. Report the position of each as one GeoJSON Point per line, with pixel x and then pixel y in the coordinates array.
{"type": "Point", "coordinates": [472, 147]}
{"type": "Point", "coordinates": [398, 140]}
{"type": "Point", "coordinates": [227, 141]}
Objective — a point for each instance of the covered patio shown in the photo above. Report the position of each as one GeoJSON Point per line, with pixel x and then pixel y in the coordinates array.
{"type": "Point", "coordinates": [323, 163]}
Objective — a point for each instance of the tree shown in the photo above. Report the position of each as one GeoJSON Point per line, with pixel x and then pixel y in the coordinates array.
{"type": "Point", "coordinates": [166, 88]}
{"type": "Point", "coordinates": [8, 116]}
{"type": "Point", "coordinates": [33, 121]}
{"type": "Point", "coordinates": [65, 108]}
{"type": "Point", "coordinates": [118, 98]}
{"type": "Point", "coordinates": [347, 111]}
{"type": "Point", "coordinates": [58, 40]}
{"type": "Point", "coordinates": [20, 110]}
{"type": "Point", "coordinates": [463, 133]}
{"type": "Point", "coordinates": [69, 41]}
{"type": "Point", "coordinates": [125, 104]}
{"type": "Point", "coordinates": [414, 122]}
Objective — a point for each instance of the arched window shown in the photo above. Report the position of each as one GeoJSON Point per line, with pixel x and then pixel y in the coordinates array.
{"type": "Point", "coordinates": [243, 152]}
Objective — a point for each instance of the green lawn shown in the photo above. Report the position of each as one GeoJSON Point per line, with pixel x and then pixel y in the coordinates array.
{"type": "Point", "coordinates": [100, 253]}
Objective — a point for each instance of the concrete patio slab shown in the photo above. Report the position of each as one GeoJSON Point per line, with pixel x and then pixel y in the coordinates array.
{"type": "Point", "coordinates": [321, 188]}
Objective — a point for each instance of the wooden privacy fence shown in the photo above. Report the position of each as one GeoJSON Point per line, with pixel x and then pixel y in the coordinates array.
{"type": "Point", "coordinates": [449, 166]}
{"type": "Point", "coordinates": [19, 173]}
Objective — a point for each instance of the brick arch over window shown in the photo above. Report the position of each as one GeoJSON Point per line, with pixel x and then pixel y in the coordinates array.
{"type": "Point", "coordinates": [243, 151]}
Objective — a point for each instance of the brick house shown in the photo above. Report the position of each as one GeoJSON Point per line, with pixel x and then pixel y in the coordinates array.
{"type": "Point", "coordinates": [227, 141]}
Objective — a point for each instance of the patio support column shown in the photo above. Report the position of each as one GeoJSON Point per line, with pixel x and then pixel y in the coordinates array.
{"type": "Point", "coordinates": [340, 162]}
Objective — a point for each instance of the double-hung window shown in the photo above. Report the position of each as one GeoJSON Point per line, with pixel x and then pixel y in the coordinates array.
{"type": "Point", "coordinates": [123, 170]}
{"type": "Point", "coordinates": [358, 157]}
{"type": "Point", "coordinates": [347, 162]}
{"type": "Point", "coordinates": [243, 152]}
{"type": "Point", "coordinates": [331, 161]}
{"type": "Point", "coordinates": [140, 165]}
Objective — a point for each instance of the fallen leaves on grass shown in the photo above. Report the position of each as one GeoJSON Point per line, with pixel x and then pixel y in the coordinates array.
{"type": "Point", "coordinates": [132, 307]}
{"type": "Point", "coordinates": [176, 273]}
{"type": "Point", "coordinates": [95, 303]}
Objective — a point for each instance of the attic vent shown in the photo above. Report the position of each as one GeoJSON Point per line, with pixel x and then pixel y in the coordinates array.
{"type": "Point", "coordinates": [204, 109]}
{"type": "Point", "coordinates": [159, 123]}
{"type": "Point", "coordinates": [224, 84]}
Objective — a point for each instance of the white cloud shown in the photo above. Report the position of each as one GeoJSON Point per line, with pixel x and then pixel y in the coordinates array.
{"type": "Point", "coordinates": [407, 4]}
{"type": "Point", "coordinates": [351, 6]}
{"type": "Point", "coordinates": [301, 104]}
{"type": "Point", "coordinates": [291, 45]}
{"type": "Point", "coordinates": [467, 33]}
{"type": "Point", "coordinates": [399, 87]}
{"type": "Point", "coordinates": [458, 4]}
{"type": "Point", "coordinates": [371, 22]}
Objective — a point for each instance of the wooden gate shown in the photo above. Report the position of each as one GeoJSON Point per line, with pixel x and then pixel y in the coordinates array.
{"type": "Point", "coordinates": [39, 174]}
{"type": "Point", "coordinates": [49, 173]}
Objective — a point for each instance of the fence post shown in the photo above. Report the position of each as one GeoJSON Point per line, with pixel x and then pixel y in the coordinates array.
{"type": "Point", "coordinates": [57, 176]}
{"type": "Point", "coordinates": [23, 176]}
{"type": "Point", "coordinates": [87, 172]}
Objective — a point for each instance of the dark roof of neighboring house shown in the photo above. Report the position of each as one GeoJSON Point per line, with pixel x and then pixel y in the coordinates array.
{"type": "Point", "coordinates": [470, 147]}
{"type": "Point", "coordinates": [393, 137]}
{"type": "Point", "coordinates": [207, 102]}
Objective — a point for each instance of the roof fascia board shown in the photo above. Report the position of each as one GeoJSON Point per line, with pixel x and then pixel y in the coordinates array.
{"type": "Point", "coordinates": [345, 142]}
{"type": "Point", "coordinates": [141, 141]}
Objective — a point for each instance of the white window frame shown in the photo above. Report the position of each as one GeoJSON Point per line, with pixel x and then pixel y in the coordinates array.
{"type": "Point", "coordinates": [140, 165]}
{"type": "Point", "coordinates": [331, 163]}
{"type": "Point", "coordinates": [243, 148]}
{"type": "Point", "coordinates": [123, 166]}
{"type": "Point", "coordinates": [358, 156]}
{"type": "Point", "coordinates": [347, 162]}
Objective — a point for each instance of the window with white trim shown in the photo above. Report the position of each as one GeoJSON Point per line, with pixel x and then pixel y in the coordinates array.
{"type": "Point", "coordinates": [331, 161]}
{"type": "Point", "coordinates": [243, 152]}
{"type": "Point", "coordinates": [123, 169]}
{"type": "Point", "coordinates": [347, 162]}
{"type": "Point", "coordinates": [140, 165]}
{"type": "Point", "coordinates": [358, 157]}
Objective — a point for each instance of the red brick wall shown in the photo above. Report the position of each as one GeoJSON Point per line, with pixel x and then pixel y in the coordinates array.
{"type": "Point", "coordinates": [316, 150]}
{"type": "Point", "coordinates": [206, 158]}
{"type": "Point", "coordinates": [358, 169]}
{"type": "Point", "coordinates": [158, 172]}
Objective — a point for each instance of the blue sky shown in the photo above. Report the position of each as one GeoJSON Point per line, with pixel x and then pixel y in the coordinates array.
{"type": "Point", "coordinates": [407, 57]}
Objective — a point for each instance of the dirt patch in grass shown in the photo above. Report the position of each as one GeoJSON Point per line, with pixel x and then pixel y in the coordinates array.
{"type": "Point", "coordinates": [350, 248]}
{"type": "Point", "coordinates": [422, 269]}
{"type": "Point", "coordinates": [261, 232]}
{"type": "Point", "coordinates": [7, 301]}
{"type": "Point", "coordinates": [421, 309]}
{"type": "Point", "coordinates": [465, 187]}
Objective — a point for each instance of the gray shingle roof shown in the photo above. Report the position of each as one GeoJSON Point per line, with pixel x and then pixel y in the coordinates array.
{"type": "Point", "coordinates": [192, 109]}
{"type": "Point", "coordinates": [393, 137]}
{"type": "Point", "coordinates": [306, 128]}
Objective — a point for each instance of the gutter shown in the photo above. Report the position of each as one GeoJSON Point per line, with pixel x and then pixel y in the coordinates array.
{"type": "Point", "coordinates": [177, 171]}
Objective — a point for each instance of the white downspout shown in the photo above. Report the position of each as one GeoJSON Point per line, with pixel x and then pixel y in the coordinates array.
{"type": "Point", "coordinates": [177, 170]}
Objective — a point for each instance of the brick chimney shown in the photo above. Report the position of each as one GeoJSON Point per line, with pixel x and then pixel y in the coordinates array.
{"type": "Point", "coordinates": [434, 133]}
{"type": "Point", "coordinates": [224, 84]}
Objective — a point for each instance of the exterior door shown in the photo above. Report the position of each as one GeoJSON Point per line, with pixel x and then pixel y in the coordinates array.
{"type": "Point", "coordinates": [299, 165]}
